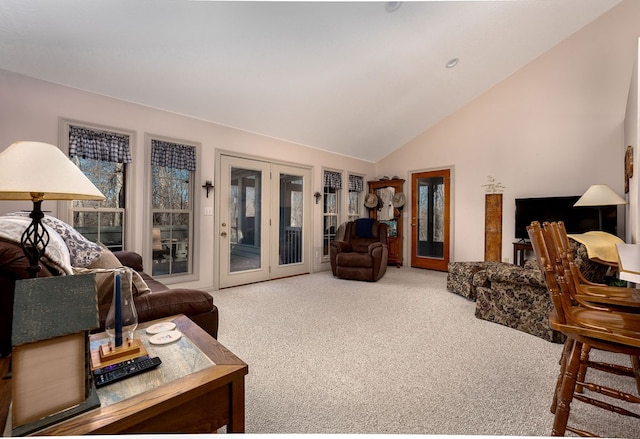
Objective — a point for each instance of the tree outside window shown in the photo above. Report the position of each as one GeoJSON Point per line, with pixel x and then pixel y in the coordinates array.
{"type": "Point", "coordinates": [172, 170]}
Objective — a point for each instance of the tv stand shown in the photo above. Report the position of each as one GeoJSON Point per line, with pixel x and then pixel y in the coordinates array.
{"type": "Point", "coordinates": [520, 249]}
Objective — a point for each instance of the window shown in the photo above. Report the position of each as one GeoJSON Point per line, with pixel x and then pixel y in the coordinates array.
{"type": "Point", "coordinates": [331, 212]}
{"type": "Point", "coordinates": [172, 175]}
{"type": "Point", "coordinates": [356, 186]}
{"type": "Point", "coordinates": [103, 157]}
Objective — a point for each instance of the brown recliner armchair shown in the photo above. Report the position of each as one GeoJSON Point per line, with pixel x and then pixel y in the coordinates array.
{"type": "Point", "coordinates": [363, 253]}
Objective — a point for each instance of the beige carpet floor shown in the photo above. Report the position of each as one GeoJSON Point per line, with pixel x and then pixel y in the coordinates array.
{"type": "Point", "coordinates": [401, 355]}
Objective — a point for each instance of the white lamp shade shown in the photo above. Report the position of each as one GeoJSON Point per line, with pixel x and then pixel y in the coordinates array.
{"type": "Point", "coordinates": [599, 195]}
{"type": "Point", "coordinates": [28, 168]}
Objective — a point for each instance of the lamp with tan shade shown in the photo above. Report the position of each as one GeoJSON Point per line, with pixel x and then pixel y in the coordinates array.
{"type": "Point", "coordinates": [599, 196]}
{"type": "Point", "coordinates": [39, 171]}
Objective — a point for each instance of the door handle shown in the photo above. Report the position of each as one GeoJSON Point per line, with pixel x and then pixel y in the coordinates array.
{"type": "Point", "coordinates": [223, 234]}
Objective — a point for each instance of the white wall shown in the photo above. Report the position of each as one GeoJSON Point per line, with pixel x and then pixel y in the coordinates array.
{"type": "Point", "coordinates": [31, 110]}
{"type": "Point", "coordinates": [631, 138]}
{"type": "Point", "coordinates": [552, 128]}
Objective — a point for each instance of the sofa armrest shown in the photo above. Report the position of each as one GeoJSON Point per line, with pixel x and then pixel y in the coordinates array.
{"type": "Point", "coordinates": [152, 306]}
{"type": "Point", "coordinates": [340, 246]}
{"type": "Point", "coordinates": [373, 246]}
{"type": "Point", "coordinates": [129, 259]}
{"type": "Point", "coordinates": [515, 274]}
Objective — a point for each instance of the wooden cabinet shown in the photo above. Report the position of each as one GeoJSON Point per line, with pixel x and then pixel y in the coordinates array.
{"type": "Point", "coordinates": [389, 210]}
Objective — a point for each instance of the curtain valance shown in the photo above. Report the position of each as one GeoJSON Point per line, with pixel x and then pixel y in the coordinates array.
{"type": "Point", "coordinates": [333, 179]}
{"type": "Point", "coordinates": [98, 145]}
{"type": "Point", "coordinates": [356, 183]}
{"type": "Point", "coordinates": [173, 155]}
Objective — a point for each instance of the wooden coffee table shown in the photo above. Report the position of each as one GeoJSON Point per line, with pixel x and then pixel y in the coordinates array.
{"type": "Point", "coordinates": [198, 388]}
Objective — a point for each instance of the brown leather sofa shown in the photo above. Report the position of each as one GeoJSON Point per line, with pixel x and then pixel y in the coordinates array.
{"type": "Point", "coordinates": [363, 253]}
{"type": "Point", "coordinates": [160, 302]}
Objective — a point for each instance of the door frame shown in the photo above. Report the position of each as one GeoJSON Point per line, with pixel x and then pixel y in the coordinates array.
{"type": "Point", "coordinates": [308, 218]}
{"type": "Point", "coordinates": [439, 264]}
{"type": "Point", "coordinates": [222, 259]}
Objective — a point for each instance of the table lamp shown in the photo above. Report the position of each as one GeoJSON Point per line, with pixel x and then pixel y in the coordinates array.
{"type": "Point", "coordinates": [599, 196]}
{"type": "Point", "coordinates": [39, 171]}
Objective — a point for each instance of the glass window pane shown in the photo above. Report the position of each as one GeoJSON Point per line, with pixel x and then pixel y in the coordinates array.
{"type": "Point", "coordinates": [104, 227]}
{"type": "Point", "coordinates": [111, 230]}
{"type": "Point", "coordinates": [108, 177]}
{"type": "Point", "coordinates": [330, 229]}
{"type": "Point", "coordinates": [290, 233]}
{"type": "Point", "coordinates": [87, 224]}
{"type": "Point", "coordinates": [354, 205]}
{"type": "Point", "coordinates": [172, 216]}
{"type": "Point", "coordinates": [330, 201]}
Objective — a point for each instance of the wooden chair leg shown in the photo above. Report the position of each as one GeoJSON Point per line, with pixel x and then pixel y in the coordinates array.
{"type": "Point", "coordinates": [566, 351]}
{"type": "Point", "coordinates": [584, 358]}
{"type": "Point", "coordinates": [567, 390]}
{"type": "Point", "coordinates": [636, 370]}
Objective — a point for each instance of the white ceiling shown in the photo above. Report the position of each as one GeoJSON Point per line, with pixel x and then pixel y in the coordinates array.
{"type": "Point", "coordinates": [347, 77]}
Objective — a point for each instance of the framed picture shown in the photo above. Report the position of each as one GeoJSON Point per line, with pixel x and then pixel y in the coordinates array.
{"type": "Point", "coordinates": [393, 227]}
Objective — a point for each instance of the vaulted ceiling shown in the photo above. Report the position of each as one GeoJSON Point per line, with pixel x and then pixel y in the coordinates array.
{"type": "Point", "coordinates": [357, 78]}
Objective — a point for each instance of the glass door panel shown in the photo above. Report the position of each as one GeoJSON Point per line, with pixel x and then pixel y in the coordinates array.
{"type": "Point", "coordinates": [292, 209]}
{"type": "Point", "coordinates": [245, 219]}
{"type": "Point", "coordinates": [242, 241]}
{"type": "Point", "coordinates": [430, 220]}
{"type": "Point", "coordinates": [291, 215]}
{"type": "Point", "coordinates": [430, 217]}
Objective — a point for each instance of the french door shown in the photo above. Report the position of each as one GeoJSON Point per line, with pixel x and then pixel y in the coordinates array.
{"type": "Point", "coordinates": [430, 240]}
{"type": "Point", "coordinates": [264, 221]}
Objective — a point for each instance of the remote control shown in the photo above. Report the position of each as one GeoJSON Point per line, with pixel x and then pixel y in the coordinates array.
{"type": "Point", "coordinates": [118, 371]}
{"type": "Point", "coordinates": [125, 363]}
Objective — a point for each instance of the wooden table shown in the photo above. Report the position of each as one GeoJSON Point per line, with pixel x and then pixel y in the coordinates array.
{"type": "Point", "coordinates": [520, 249]}
{"type": "Point", "coordinates": [201, 401]}
{"type": "Point", "coordinates": [629, 262]}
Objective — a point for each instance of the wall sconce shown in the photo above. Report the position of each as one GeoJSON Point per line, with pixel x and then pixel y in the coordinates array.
{"type": "Point", "coordinates": [207, 185]}
{"type": "Point", "coordinates": [318, 195]}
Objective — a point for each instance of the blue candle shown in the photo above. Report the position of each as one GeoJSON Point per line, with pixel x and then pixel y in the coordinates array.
{"type": "Point", "coordinates": [118, 313]}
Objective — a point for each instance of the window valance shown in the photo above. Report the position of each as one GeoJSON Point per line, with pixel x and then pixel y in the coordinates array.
{"type": "Point", "coordinates": [333, 179]}
{"type": "Point", "coordinates": [356, 183]}
{"type": "Point", "coordinates": [173, 155]}
{"type": "Point", "coordinates": [98, 145]}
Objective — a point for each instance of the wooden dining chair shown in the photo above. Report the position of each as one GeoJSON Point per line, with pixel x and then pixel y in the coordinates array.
{"type": "Point", "coordinates": [583, 291]}
{"type": "Point", "coordinates": [597, 296]}
{"type": "Point", "coordinates": [584, 325]}
{"type": "Point", "coordinates": [625, 299]}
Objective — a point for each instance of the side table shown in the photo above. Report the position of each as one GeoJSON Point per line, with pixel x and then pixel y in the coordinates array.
{"type": "Point", "coordinates": [520, 249]}
{"type": "Point", "coordinates": [170, 400]}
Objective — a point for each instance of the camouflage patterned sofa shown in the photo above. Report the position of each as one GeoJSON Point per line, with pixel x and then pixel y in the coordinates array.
{"type": "Point", "coordinates": [516, 297]}
{"type": "Point", "coordinates": [460, 277]}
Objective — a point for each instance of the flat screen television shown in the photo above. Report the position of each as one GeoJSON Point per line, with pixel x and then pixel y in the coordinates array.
{"type": "Point", "coordinates": [576, 219]}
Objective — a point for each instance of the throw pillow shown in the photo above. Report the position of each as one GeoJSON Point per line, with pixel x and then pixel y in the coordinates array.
{"type": "Point", "coordinates": [106, 259]}
{"type": "Point", "coordinates": [363, 227]}
{"type": "Point", "coordinates": [82, 252]}
{"type": "Point", "coordinates": [103, 267]}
